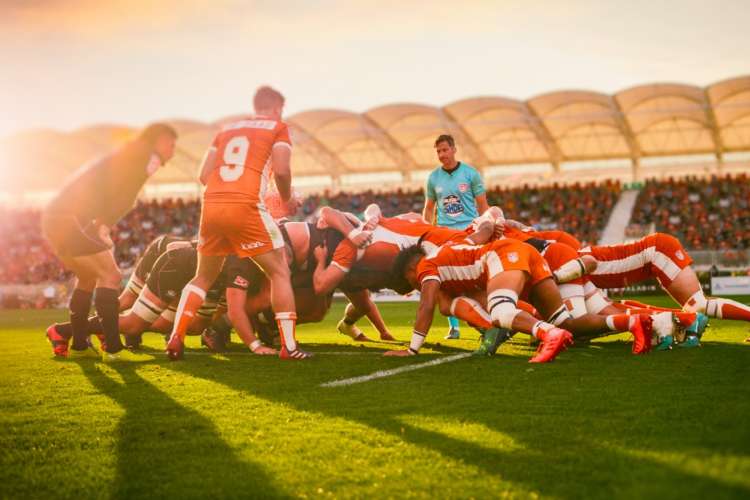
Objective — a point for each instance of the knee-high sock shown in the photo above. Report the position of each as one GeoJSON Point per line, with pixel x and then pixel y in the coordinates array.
{"type": "Point", "coordinates": [525, 306]}
{"type": "Point", "coordinates": [80, 304]}
{"type": "Point", "coordinates": [287, 322]}
{"type": "Point", "coordinates": [471, 311]}
{"type": "Point", "coordinates": [108, 310]}
{"type": "Point", "coordinates": [727, 309]}
{"type": "Point", "coordinates": [191, 300]}
{"type": "Point", "coordinates": [619, 322]}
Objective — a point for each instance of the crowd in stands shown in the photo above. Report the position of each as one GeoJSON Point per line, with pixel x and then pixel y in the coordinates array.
{"type": "Point", "coordinates": [705, 214]}
{"type": "Point", "coordinates": [26, 259]}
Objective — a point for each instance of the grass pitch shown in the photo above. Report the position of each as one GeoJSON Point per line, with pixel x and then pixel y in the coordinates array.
{"type": "Point", "coordinates": [597, 423]}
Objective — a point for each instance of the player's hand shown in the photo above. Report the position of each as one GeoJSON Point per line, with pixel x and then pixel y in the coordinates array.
{"type": "Point", "coordinates": [499, 228]}
{"type": "Point", "coordinates": [372, 223]}
{"type": "Point", "coordinates": [360, 239]}
{"type": "Point", "coordinates": [398, 354]}
{"type": "Point", "coordinates": [292, 205]}
{"type": "Point", "coordinates": [320, 253]}
{"type": "Point", "coordinates": [265, 351]}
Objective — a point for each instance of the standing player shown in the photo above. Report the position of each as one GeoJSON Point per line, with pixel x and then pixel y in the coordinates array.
{"type": "Point", "coordinates": [234, 221]}
{"type": "Point", "coordinates": [456, 190]}
{"type": "Point", "coordinates": [77, 224]}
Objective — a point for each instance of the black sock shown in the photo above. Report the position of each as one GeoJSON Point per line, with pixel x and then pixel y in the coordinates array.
{"type": "Point", "coordinates": [108, 309]}
{"type": "Point", "coordinates": [66, 329]}
{"type": "Point", "coordinates": [349, 321]}
{"type": "Point", "coordinates": [80, 304]}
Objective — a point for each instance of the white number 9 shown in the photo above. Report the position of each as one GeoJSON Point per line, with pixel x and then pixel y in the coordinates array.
{"type": "Point", "coordinates": [235, 154]}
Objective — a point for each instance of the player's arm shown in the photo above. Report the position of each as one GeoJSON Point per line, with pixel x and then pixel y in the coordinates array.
{"type": "Point", "coordinates": [481, 202]}
{"type": "Point", "coordinates": [326, 279]}
{"type": "Point", "coordinates": [517, 225]}
{"type": "Point", "coordinates": [236, 299]}
{"type": "Point", "coordinates": [281, 156]}
{"type": "Point", "coordinates": [208, 164]}
{"type": "Point", "coordinates": [428, 214]}
{"type": "Point", "coordinates": [425, 312]}
{"type": "Point", "coordinates": [340, 222]}
{"type": "Point", "coordinates": [430, 197]}
{"type": "Point", "coordinates": [479, 192]}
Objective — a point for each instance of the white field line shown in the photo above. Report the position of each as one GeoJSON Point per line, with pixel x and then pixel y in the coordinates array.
{"type": "Point", "coordinates": [394, 371]}
{"type": "Point", "coordinates": [323, 353]}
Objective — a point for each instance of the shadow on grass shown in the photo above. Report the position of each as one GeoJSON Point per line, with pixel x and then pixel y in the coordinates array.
{"type": "Point", "coordinates": [580, 424]}
{"type": "Point", "coordinates": [167, 450]}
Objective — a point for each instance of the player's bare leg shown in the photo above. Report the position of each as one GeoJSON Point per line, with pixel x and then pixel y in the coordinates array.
{"type": "Point", "coordinates": [361, 305]}
{"type": "Point", "coordinates": [275, 266]}
{"type": "Point", "coordinates": [502, 298]}
{"type": "Point", "coordinates": [191, 299]}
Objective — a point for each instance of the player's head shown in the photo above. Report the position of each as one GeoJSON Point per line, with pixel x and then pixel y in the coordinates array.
{"type": "Point", "coordinates": [445, 147]}
{"type": "Point", "coordinates": [406, 264]}
{"type": "Point", "coordinates": [268, 102]}
{"type": "Point", "coordinates": [160, 138]}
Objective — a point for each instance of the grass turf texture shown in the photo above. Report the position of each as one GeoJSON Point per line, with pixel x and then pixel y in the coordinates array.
{"type": "Point", "coordinates": [598, 422]}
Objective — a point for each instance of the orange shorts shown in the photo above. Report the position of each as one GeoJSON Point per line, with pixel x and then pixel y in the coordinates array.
{"type": "Point", "coordinates": [238, 229]}
{"type": "Point", "coordinates": [514, 255]}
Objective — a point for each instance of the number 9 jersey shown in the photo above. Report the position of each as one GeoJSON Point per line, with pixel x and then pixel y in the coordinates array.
{"type": "Point", "coordinates": [234, 220]}
{"type": "Point", "coordinates": [242, 167]}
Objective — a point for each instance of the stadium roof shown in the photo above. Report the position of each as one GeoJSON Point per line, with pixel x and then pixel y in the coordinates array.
{"type": "Point", "coordinates": [658, 119]}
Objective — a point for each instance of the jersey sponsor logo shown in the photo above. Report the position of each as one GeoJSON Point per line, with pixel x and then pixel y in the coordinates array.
{"type": "Point", "coordinates": [241, 282]}
{"type": "Point", "coordinates": [438, 189]}
{"type": "Point", "coordinates": [512, 256]}
{"type": "Point", "coordinates": [452, 206]}
{"type": "Point", "coordinates": [250, 246]}
{"type": "Point", "coordinates": [463, 187]}
{"type": "Point", "coordinates": [679, 254]}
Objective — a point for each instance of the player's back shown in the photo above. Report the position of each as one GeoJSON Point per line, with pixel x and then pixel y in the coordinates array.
{"type": "Point", "coordinates": [242, 165]}
{"type": "Point", "coordinates": [458, 265]}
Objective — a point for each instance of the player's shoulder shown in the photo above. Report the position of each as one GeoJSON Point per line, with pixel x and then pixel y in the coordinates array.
{"type": "Point", "coordinates": [470, 170]}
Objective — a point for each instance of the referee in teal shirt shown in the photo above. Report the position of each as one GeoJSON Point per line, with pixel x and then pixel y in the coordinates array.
{"type": "Point", "coordinates": [456, 190]}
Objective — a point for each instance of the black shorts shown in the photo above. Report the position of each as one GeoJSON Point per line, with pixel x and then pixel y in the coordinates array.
{"type": "Point", "coordinates": [71, 236]}
{"type": "Point", "coordinates": [242, 274]}
{"type": "Point", "coordinates": [152, 253]}
{"type": "Point", "coordinates": [171, 272]}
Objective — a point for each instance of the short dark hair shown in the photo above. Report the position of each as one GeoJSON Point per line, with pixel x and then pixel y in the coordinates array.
{"type": "Point", "coordinates": [403, 258]}
{"type": "Point", "coordinates": [267, 97]}
{"type": "Point", "coordinates": [446, 138]}
{"type": "Point", "coordinates": [151, 133]}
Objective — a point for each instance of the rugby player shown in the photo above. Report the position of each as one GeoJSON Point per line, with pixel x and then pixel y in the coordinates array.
{"type": "Point", "coordinates": [455, 190]}
{"type": "Point", "coordinates": [236, 171]}
{"type": "Point", "coordinates": [155, 306]}
{"type": "Point", "coordinates": [502, 270]}
{"type": "Point", "coordinates": [77, 223]}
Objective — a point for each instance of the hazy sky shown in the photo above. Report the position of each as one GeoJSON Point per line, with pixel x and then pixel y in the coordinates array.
{"type": "Point", "coordinates": [70, 63]}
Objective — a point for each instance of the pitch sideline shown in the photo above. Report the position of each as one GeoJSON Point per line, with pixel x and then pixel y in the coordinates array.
{"type": "Point", "coordinates": [395, 371]}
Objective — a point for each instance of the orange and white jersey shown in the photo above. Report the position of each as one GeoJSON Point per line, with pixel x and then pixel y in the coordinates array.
{"type": "Point", "coordinates": [462, 268]}
{"type": "Point", "coordinates": [390, 237]}
{"type": "Point", "coordinates": [242, 166]}
{"type": "Point", "coordinates": [657, 255]}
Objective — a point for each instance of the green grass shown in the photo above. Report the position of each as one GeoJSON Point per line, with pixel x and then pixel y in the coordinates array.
{"type": "Point", "coordinates": [597, 423]}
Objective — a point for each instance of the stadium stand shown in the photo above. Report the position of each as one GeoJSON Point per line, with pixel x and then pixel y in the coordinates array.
{"type": "Point", "coordinates": [582, 209]}
{"type": "Point", "coordinates": [705, 214]}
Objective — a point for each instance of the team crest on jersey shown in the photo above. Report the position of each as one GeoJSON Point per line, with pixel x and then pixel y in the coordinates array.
{"type": "Point", "coordinates": [679, 254]}
{"type": "Point", "coordinates": [241, 282]}
{"type": "Point", "coordinates": [452, 205]}
{"type": "Point", "coordinates": [512, 257]}
{"type": "Point", "coordinates": [463, 187]}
